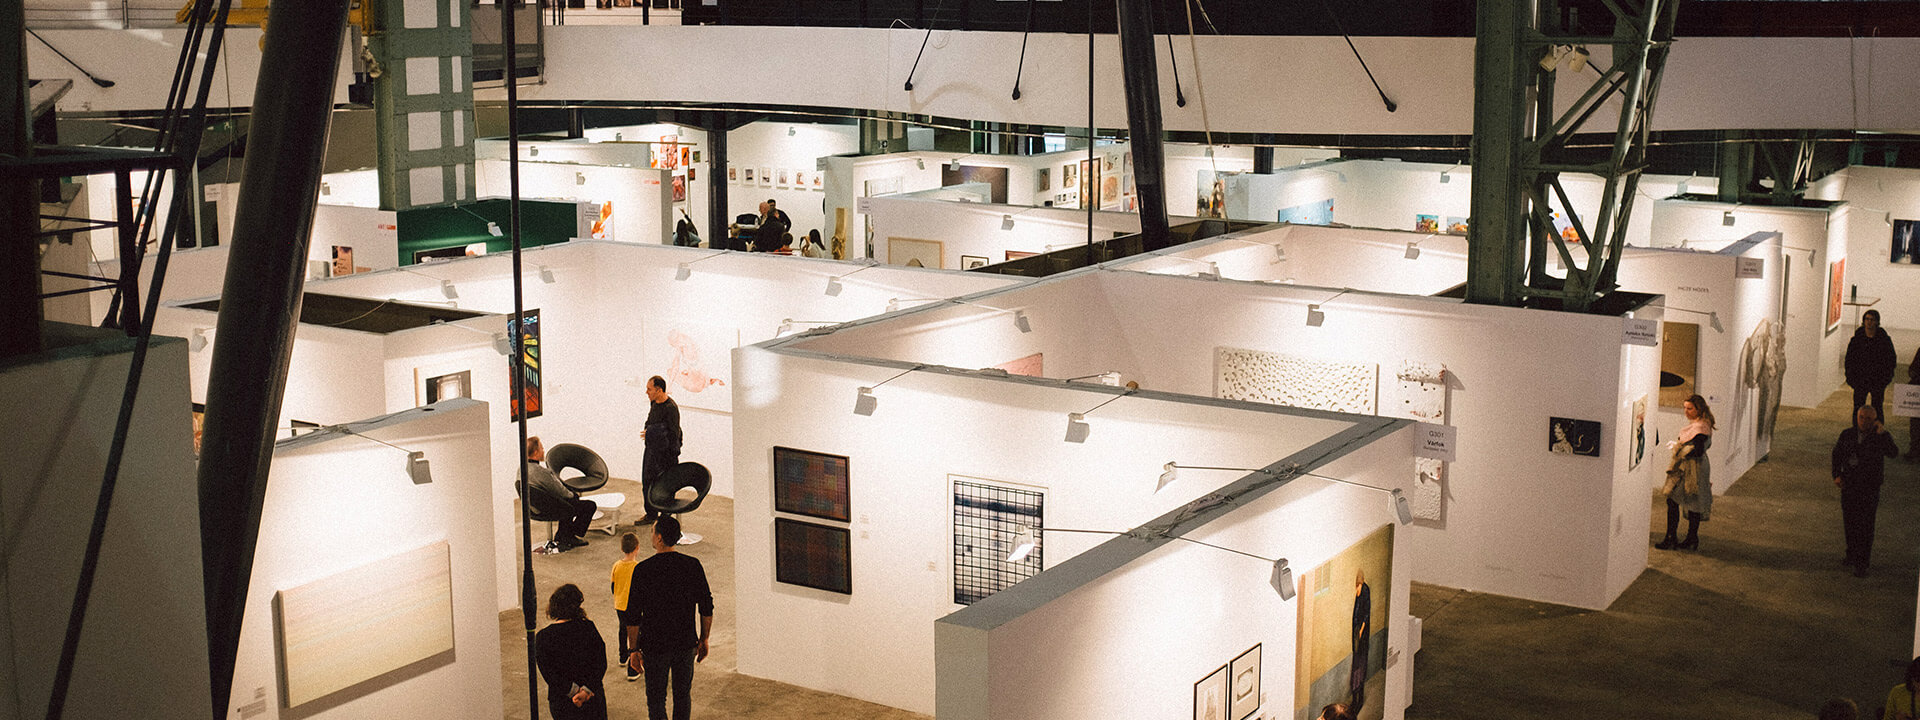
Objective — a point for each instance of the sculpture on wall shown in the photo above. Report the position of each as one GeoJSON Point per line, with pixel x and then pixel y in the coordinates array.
{"type": "Point", "coordinates": [1763, 365]}
{"type": "Point", "coordinates": [1280, 379]}
{"type": "Point", "coordinates": [1421, 394]}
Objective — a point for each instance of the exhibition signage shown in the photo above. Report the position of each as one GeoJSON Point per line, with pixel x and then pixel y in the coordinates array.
{"type": "Point", "coordinates": [864, 205]}
{"type": "Point", "coordinates": [1906, 400]}
{"type": "Point", "coordinates": [1634, 331]}
{"type": "Point", "coordinates": [1435, 441]}
{"type": "Point", "coordinates": [1747, 268]}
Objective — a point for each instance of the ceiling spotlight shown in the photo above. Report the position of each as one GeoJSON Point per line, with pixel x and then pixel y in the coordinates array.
{"type": "Point", "coordinates": [447, 289]}
{"type": "Point", "coordinates": [1401, 508]}
{"type": "Point", "coordinates": [1168, 473]}
{"type": "Point", "coordinates": [1020, 321]}
{"type": "Point", "coordinates": [1413, 251]}
{"type": "Point", "coordinates": [834, 287]}
{"type": "Point", "coordinates": [533, 151]}
{"type": "Point", "coordinates": [685, 271]}
{"type": "Point", "coordinates": [579, 178]}
{"type": "Point", "coordinates": [199, 340]}
{"type": "Point", "coordinates": [1077, 427]}
{"type": "Point", "coordinates": [1006, 222]}
{"type": "Point", "coordinates": [1283, 579]}
{"type": "Point", "coordinates": [1024, 542]}
{"type": "Point", "coordinates": [546, 275]}
{"type": "Point", "coordinates": [417, 468]}
{"type": "Point", "coordinates": [1713, 321]}
{"type": "Point", "coordinates": [865, 402]}
{"type": "Point", "coordinates": [1577, 59]}
{"type": "Point", "coordinates": [1726, 218]}
{"type": "Point", "coordinates": [493, 228]}
{"type": "Point", "coordinates": [326, 189]}
{"type": "Point", "coordinates": [786, 326]}
{"type": "Point", "coordinates": [1314, 316]}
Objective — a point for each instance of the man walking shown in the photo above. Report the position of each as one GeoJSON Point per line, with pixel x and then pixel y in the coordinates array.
{"type": "Point", "coordinates": [662, 435]}
{"type": "Point", "coordinates": [667, 588]}
{"type": "Point", "coordinates": [1858, 468]}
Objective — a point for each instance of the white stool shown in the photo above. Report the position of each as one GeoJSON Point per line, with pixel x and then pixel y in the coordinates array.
{"type": "Point", "coordinates": [609, 505]}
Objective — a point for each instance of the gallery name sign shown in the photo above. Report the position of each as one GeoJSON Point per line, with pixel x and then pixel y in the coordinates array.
{"type": "Point", "coordinates": [1435, 441]}
{"type": "Point", "coordinates": [1634, 331]}
{"type": "Point", "coordinates": [1905, 401]}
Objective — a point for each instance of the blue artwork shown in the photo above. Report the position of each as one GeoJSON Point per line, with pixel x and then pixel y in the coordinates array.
{"type": "Point", "coordinates": [1313, 213]}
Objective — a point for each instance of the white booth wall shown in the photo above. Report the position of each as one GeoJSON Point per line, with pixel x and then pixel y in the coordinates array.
{"type": "Point", "coordinates": [1358, 258]}
{"type": "Point", "coordinates": [143, 651]}
{"type": "Point", "coordinates": [1876, 196]}
{"type": "Point", "coordinates": [1515, 519]}
{"type": "Point", "coordinates": [1811, 239]}
{"type": "Point", "coordinates": [964, 228]}
{"type": "Point", "coordinates": [1125, 629]}
{"type": "Point", "coordinates": [927, 426]}
{"type": "Point", "coordinates": [336, 502]}
{"type": "Point", "coordinates": [642, 197]}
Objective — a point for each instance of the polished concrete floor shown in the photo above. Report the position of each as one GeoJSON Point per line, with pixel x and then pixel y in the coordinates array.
{"type": "Point", "coordinates": [1760, 622]}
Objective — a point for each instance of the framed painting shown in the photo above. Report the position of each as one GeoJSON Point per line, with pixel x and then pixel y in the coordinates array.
{"type": "Point", "coordinates": [813, 555]}
{"type": "Point", "coordinates": [987, 515]}
{"type": "Point", "coordinates": [1836, 297]}
{"type": "Point", "coordinates": [1210, 696]}
{"type": "Point", "coordinates": [1567, 436]}
{"type": "Point", "coordinates": [1244, 683]}
{"type": "Point", "coordinates": [811, 483]}
{"type": "Point", "coordinates": [1340, 652]}
{"type": "Point", "coordinates": [969, 262]}
{"type": "Point", "coordinates": [915, 253]}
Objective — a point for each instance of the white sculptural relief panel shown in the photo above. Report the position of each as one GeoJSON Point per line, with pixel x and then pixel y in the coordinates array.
{"type": "Point", "coordinates": [1293, 381]}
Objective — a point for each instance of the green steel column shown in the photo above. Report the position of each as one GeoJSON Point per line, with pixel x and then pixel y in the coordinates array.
{"type": "Point", "coordinates": [1496, 255]}
{"type": "Point", "coordinates": [423, 101]}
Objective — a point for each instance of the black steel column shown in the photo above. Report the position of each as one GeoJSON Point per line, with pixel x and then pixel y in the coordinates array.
{"type": "Point", "coordinates": [1143, 120]}
{"type": "Point", "coordinates": [260, 306]}
{"type": "Point", "coordinates": [19, 211]}
{"type": "Point", "coordinates": [1263, 159]}
{"type": "Point", "coordinates": [717, 216]}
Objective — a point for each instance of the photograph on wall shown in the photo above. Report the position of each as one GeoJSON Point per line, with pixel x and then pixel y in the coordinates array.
{"type": "Point", "coordinates": [1210, 200]}
{"type": "Point", "coordinates": [987, 516]}
{"type": "Point", "coordinates": [1042, 180]}
{"type": "Point", "coordinates": [1313, 213]}
{"type": "Point", "coordinates": [1210, 695]}
{"type": "Point", "coordinates": [1245, 695]}
{"type": "Point", "coordinates": [1280, 379]}
{"type": "Point", "coordinates": [1836, 281]}
{"type": "Point", "coordinates": [782, 178]}
{"type": "Point", "coordinates": [1639, 450]}
{"type": "Point", "coordinates": [812, 555]}
{"type": "Point", "coordinates": [342, 260]}
{"type": "Point", "coordinates": [969, 262]}
{"type": "Point", "coordinates": [527, 327]}
{"type": "Point", "coordinates": [1456, 225]}
{"type": "Point", "coordinates": [746, 176]}
{"type": "Point", "coordinates": [695, 358]}
{"type": "Point", "coordinates": [1341, 648]}
{"type": "Point", "coordinates": [449, 386]}
{"type": "Point", "coordinates": [1567, 436]}
{"type": "Point", "coordinates": [1426, 223]}
{"type": "Point", "coordinates": [914, 253]}
{"type": "Point", "coordinates": [811, 483]}
{"type": "Point", "coordinates": [766, 176]}
{"type": "Point", "coordinates": [733, 174]}
{"type": "Point", "coordinates": [996, 179]}
{"type": "Point", "coordinates": [1679, 361]}
{"type": "Point", "coordinates": [679, 188]}
{"type": "Point", "coordinates": [1906, 243]}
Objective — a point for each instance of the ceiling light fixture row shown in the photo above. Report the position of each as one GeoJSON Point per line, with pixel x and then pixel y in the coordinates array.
{"type": "Point", "coordinates": [1397, 501]}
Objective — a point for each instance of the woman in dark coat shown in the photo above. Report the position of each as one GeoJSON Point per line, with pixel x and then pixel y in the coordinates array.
{"type": "Point", "coordinates": [1870, 362]}
{"type": "Point", "coordinates": [572, 658]}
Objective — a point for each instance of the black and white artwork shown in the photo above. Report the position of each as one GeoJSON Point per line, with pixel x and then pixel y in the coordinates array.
{"type": "Point", "coordinates": [1574, 437]}
{"type": "Point", "coordinates": [1905, 248]}
{"type": "Point", "coordinates": [987, 516]}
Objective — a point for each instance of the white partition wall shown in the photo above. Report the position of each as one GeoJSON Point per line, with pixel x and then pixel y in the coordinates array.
{"type": "Point", "coordinates": [316, 528]}
{"type": "Point", "coordinates": [1392, 261]}
{"type": "Point", "coordinates": [1881, 203]}
{"type": "Point", "coordinates": [930, 430]}
{"type": "Point", "coordinates": [979, 230]}
{"type": "Point", "coordinates": [642, 197]}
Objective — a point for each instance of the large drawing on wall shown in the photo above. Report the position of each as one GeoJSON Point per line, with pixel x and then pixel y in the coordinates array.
{"type": "Point", "coordinates": [1763, 366]}
{"type": "Point", "coordinates": [812, 555]}
{"type": "Point", "coordinates": [986, 517]}
{"type": "Point", "coordinates": [1420, 393]}
{"type": "Point", "coordinates": [1679, 361]}
{"type": "Point", "coordinates": [359, 625]}
{"type": "Point", "coordinates": [811, 483]}
{"type": "Point", "coordinates": [1281, 379]}
{"type": "Point", "coordinates": [1342, 634]}
{"type": "Point", "coordinates": [695, 359]}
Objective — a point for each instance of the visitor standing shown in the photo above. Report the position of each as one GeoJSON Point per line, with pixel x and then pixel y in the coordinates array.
{"type": "Point", "coordinates": [1689, 482]}
{"type": "Point", "coordinates": [668, 588]}
{"type": "Point", "coordinates": [1870, 361]}
{"type": "Point", "coordinates": [572, 658]}
{"type": "Point", "coordinates": [1858, 469]}
{"type": "Point", "coordinates": [622, 583]}
{"type": "Point", "coordinates": [1900, 700]}
{"type": "Point", "coordinates": [662, 436]}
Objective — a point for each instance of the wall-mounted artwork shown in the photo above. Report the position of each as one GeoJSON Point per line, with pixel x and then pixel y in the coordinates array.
{"type": "Point", "coordinates": [1836, 282]}
{"type": "Point", "coordinates": [766, 176]}
{"type": "Point", "coordinates": [1210, 695]}
{"type": "Point", "coordinates": [1245, 683]}
{"type": "Point", "coordinates": [527, 326]}
{"type": "Point", "coordinates": [969, 262]}
{"type": "Point", "coordinates": [1210, 200]}
{"type": "Point", "coordinates": [1420, 393]}
{"type": "Point", "coordinates": [199, 425]}
{"type": "Point", "coordinates": [914, 253]}
{"type": "Point", "coordinates": [1639, 437]}
{"type": "Point", "coordinates": [812, 555]}
{"type": "Point", "coordinates": [1293, 381]}
{"type": "Point", "coordinates": [1456, 225]}
{"type": "Point", "coordinates": [679, 188]}
{"type": "Point", "coordinates": [1566, 436]}
{"type": "Point", "coordinates": [996, 179]}
{"type": "Point", "coordinates": [1344, 606]}
{"type": "Point", "coordinates": [819, 183]}
{"type": "Point", "coordinates": [1090, 182]}
{"type": "Point", "coordinates": [1763, 366]}
{"type": "Point", "coordinates": [811, 483]}
{"type": "Point", "coordinates": [1679, 361]}
{"type": "Point", "coordinates": [986, 517]}
{"type": "Point", "coordinates": [1905, 248]}
{"type": "Point", "coordinates": [1426, 223]}
{"type": "Point", "coordinates": [695, 358]}
{"type": "Point", "coordinates": [358, 625]}
{"type": "Point", "coordinates": [1031, 366]}
{"type": "Point", "coordinates": [686, 159]}
{"type": "Point", "coordinates": [782, 177]}
{"type": "Point", "coordinates": [1043, 181]}
{"type": "Point", "coordinates": [449, 386]}
{"type": "Point", "coordinates": [800, 179]}
{"type": "Point", "coordinates": [342, 260]}
{"type": "Point", "coordinates": [733, 174]}
{"type": "Point", "coordinates": [1314, 213]}
{"type": "Point", "coordinates": [1069, 175]}
{"type": "Point", "coordinates": [747, 176]}
{"type": "Point", "coordinates": [1017, 254]}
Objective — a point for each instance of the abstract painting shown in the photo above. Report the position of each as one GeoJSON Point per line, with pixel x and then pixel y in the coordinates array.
{"type": "Point", "coordinates": [695, 358]}
{"type": "Point", "coordinates": [357, 625]}
{"type": "Point", "coordinates": [811, 483]}
{"type": "Point", "coordinates": [1293, 381]}
{"type": "Point", "coordinates": [528, 329]}
{"type": "Point", "coordinates": [1836, 279]}
{"type": "Point", "coordinates": [1210, 695]}
{"type": "Point", "coordinates": [986, 517]}
{"type": "Point", "coordinates": [1341, 651]}
{"type": "Point", "coordinates": [1566, 436]}
{"type": "Point", "coordinates": [812, 555]}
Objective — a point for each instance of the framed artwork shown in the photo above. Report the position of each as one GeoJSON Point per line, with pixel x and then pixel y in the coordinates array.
{"type": "Point", "coordinates": [986, 517]}
{"type": "Point", "coordinates": [1905, 248]}
{"type": "Point", "coordinates": [528, 328]}
{"type": "Point", "coordinates": [915, 253]}
{"type": "Point", "coordinates": [819, 183]}
{"type": "Point", "coordinates": [1210, 194]}
{"type": "Point", "coordinates": [342, 260]}
{"type": "Point", "coordinates": [1244, 679]}
{"type": "Point", "coordinates": [686, 156]}
{"type": "Point", "coordinates": [969, 262]}
{"type": "Point", "coordinates": [784, 178]}
{"type": "Point", "coordinates": [1090, 181]}
{"type": "Point", "coordinates": [690, 173]}
{"type": "Point", "coordinates": [199, 425]}
{"type": "Point", "coordinates": [1041, 181]}
{"type": "Point", "coordinates": [1017, 254]}
{"type": "Point", "coordinates": [1210, 696]}
{"type": "Point", "coordinates": [1567, 436]}
{"type": "Point", "coordinates": [812, 555]}
{"type": "Point", "coordinates": [766, 176]}
{"type": "Point", "coordinates": [1341, 643]}
{"type": "Point", "coordinates": [1679, 361]}
{"type": "Point", "coordinates": [1639, 449]}
{"type": "Point", "coordinates": [746, 176]}
{"type": "Point", "coordinates": [1836, 279]}
{"type": "Point", "coordinates": [696, 156]}
{"type": "Point", "coordinates": [733, 174]}
{"type": "Point", "coordinates": [1456, 225]}
{"type": "Point", "coordinates": [449, 386]}
{"type": "Point", "coordinates": [811, 483]}
{"type": "Point", "coordinates": [695, 358]}
{"type": "Point", "coordinates": [679, 188]}
{"type": "Point", "coordinates": [800, 179]}
{"type": "Point", "coordinates": [353, 627]}
{"type": "Point", "coordinates": [1426, 223]}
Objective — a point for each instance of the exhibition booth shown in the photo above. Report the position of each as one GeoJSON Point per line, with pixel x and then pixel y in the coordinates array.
{"type": "Point", "coordinates": [966, 235]}
{"type": "Point", "coordinates": [1389, 261]}
{"type": "Point", "coordinates": [1878, 225]}
{"type": "Point", "coordinates": [906, 498]}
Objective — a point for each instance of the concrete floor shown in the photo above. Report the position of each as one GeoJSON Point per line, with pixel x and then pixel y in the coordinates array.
{"type": "Point", "coordinates": [1760, 622]}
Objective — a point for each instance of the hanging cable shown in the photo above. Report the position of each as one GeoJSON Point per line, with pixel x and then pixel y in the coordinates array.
{"type": "Point", "coordinates": [1179, 98]}
{"type": "Point", "coordinates": [923, 46]}
{"type": "Point", "coordinates": [1337, 25]}
{"type": "Point", "coordinates": [1021, 68]}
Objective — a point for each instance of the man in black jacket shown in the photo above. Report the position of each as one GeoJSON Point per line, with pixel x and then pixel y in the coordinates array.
{"type": "Point", "coordinates": [1858, 468]}
{"type": "Point", "coordinates": [662, 437]}
{"type": "Point", "coordinates": [1870, 362]}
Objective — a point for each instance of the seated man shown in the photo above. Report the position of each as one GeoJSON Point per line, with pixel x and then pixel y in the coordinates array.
{"type": "Point", "coordinates": [551, 498]}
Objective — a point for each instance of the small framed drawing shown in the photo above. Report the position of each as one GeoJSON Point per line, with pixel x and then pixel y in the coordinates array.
{"type": "Point", "coordinates": [733, 174]}
{"type": "Point", "coordinates": [1245, 697]}
{"type": "Point", "coordinates": [784, 178]}
{"type": "Point", "coordinates": [969, 262]}
{"type": "Point", "coordinates": [746, 176]}
{"type": "Point", "coordinates": [1210, 696]}
{"type": "Point", "coordinates": [766, 176]}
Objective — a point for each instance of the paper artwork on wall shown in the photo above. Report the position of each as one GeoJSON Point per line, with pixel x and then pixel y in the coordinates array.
{"type": "Point", "coordinates": [694, 357]}
{"type": "Point", "coordinates": [1341, 647]}
{"type": "Point", "coordinates": [914, 253]}
{"type": "Point", "coordinates": [1210, 695]}
{"type": "Point", "coordinates": [364, 623]}
{"type": "Point", "coordinates": [1031, 366]}
{"type": "Point", "coordinates": [819, 183]}
{"type": "Point", "coordinates": [1763, 366]}
{"type": "Point", "coordinates": [601, 226]}
{"type": "Point", "coordinates": [1426, 223]}
{"type": "Point", "coordinates": [884, 186]}
{"type": "Point", "coordinates": [449, 386]}
{"type": "Point", "coordinates": [1679, 361]}
{"type": "Point", "coordinates": [733, 174]}
{"type": "Point", "coordinates": [342, 260]}
{"type": "Point", "coordinates": [766, 176]}
{"type": "Point", "coordinates": [1043, 180]}
{"type": "Point", "coordinates": [1639, 438]}
{"type": "Point", "coordinates": [1281, 379]}
{"type": "Point", "coordinates": [1313, 213]}
{"type": "Point", "coordinates": [1420, 393]}
{"type": "Point", "coordinates": [1566, 436]}
{"type": "Point", "coordinates": [1245, 682]}
{"type": "Point", "coordinates": [679, 188]}
{"type": "Point", "coordinates": [987, 515]}
{"type": "Point", "coordinates": [1905, 247]}
{"type": "Point", "coordinates": [1456, 225]}
{"type": "Point", "coordinates": [528, 329]}
{"type": "Point", "coordinates": [1836, 280]}
{"type": "Point", "coordinates": [812, 555]}
{"type": "Point", "coordinates": [746, 176]}
{"type": "Point", "coordinates": [969, 262]}
{"type": "Point", "coordinates": [811, 483]}
{"type": "Point", "coordinates": [782, 178]}
{"type": "Point", "coordinates": [800, 179]}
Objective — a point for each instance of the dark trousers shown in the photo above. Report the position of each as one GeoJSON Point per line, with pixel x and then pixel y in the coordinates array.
{"type": "Point", "coordinates": [575, 526]}
{"type": "Point", "coordinates": [651, 470]}
{"type": "Point", "coordinates": [664, 667]}
{"type": "Point", "coordinates": [1673, 520]}
{"type": "Point", "coordinates": [1871, 396]}
{"type": "Point", "coordinates": [1913, 438]}
{"type": "Point", "coordinates": [1859, 504]}
{"type": "Point", "coordinates": [626, 621]}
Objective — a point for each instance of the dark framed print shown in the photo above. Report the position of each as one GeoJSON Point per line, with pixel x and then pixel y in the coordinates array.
{"type": "Point", "coordinates": [812, 555]}
{"type": "Point", "coordinates": [811, 483]}
{"type": "Point", "coordinates": [1210, 696]}
{"type": "Point", "coordinates": [1245, 684]}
